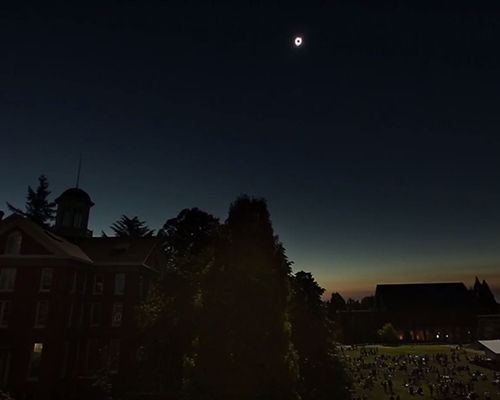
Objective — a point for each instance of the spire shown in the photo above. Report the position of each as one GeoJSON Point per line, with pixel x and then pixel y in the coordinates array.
{"type": "Point", "coordinates": [79, 169]}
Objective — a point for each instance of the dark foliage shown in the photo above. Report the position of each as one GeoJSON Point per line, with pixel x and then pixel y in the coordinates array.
{"type": "Point", "coordinates": [188, 234]}
{"type": "Point", "coordinates": [322, 372]}
{"type": "Point", "coordinates": [38, 208]}
{"type": "Point", "coordinates": [245, 351]}
{"type": "Point", "coordinates": [336, 304]}
{"type": "Point", "coordinates": [170, 315]}
{"type": "Point", "coordinates": [130, 227]}
{"type": "Point", "coordinates": [484, 298]}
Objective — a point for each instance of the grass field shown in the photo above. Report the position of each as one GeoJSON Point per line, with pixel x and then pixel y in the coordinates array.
{"type": "Point", "coordinates": [377, 392]}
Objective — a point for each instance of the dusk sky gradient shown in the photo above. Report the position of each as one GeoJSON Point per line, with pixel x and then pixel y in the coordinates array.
{"type": "Point", "coordinates": [376, 143]}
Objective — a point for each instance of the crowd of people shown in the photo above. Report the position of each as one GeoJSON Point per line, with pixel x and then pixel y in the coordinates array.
{"type": "Point", "coordinates": [440, 375]}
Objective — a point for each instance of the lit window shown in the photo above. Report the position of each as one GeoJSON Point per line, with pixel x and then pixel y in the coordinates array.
{"type": "Point", "coordinates": [98, 284]}
{"type": "Point", "coordinates": [42, 313]}
{"type": "Point", "coordinates": [7, 279]}
{"type": "Point", "coordinates": [78, 220]}
{"type": "Point", "coordinates": [4, 313]}
{"type": "Point", "coordinates": [114, 355]}
{"type": "Point", "coordinates": [119, 284]}
{"type": "Point", "coordinates": [46, 281]}
{"type": "Point", "coordinates": [35, 361]}
{"type": "Point", "coordinates": [14, 243]}
{"type": "Point", "coordinates": [117, 314]}
{"type": "Point", "coordinates": [95, 314]}
{"type": "Point", "coordinates": [69, 315]}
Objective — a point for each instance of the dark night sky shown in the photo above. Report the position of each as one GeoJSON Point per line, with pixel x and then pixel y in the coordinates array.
{"type": "Point", "coordinates": [376, 143]}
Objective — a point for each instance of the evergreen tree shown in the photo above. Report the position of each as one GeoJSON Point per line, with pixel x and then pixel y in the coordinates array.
{"type": "Point", "coordinates": [131, 227]}
{"type": "Point", "coordinates": [337, 303]}
{"type": "Point", "coordinates": [484, 298]}
{"type": "Point", "coordinates": [322, 372]}
{"type": "Point", "coordinates": [245, 351]}
{"type": "Point", "coordinates": [38, 208]}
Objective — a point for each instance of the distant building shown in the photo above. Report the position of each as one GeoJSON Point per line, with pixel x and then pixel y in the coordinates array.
{"type": "Point", "coordinates": [423, 312]}
{"type": "Point", "coordinates": [491, 349]}
{"type": "Point", "coordinates": [68, 300]}
{"type": "Point", "coordinates": [429, 311]}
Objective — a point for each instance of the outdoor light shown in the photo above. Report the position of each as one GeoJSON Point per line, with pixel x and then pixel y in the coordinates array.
{"type": "Point", "coordinates": [437, 336]}
{"type": "Point", "coordinates": [298, 41]}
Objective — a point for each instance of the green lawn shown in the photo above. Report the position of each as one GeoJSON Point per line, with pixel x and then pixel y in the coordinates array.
{"type": "Point", "coordinates": [377, 392]}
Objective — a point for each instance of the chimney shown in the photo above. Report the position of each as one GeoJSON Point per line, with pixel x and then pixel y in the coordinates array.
{"type": "Point", "coordinates": [1, 214]}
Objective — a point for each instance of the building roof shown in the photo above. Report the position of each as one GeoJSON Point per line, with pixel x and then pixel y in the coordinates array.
{"type": "Point", "coordinates": [492, 345]}
{"type": "Point", "coordinates": [118, 250]}
{"type": "Point", "coordinates": [55, 244]}
{"type": "Point", "coordinates": [75, 194]}
{"type": "Point", "coordinates": [422, 296]}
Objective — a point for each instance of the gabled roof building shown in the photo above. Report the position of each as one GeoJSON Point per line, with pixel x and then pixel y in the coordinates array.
{"type": "Point", "coordinates": [68, 300]}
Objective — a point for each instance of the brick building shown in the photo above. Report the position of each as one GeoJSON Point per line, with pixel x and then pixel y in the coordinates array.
{"type": "Point", "coordinates": [68, 300]}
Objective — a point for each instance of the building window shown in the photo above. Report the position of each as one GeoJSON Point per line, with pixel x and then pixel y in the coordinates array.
{"type": "Point", "coordinates": [119, 284]}
{"type": "Point", "coordinates": [7, 279]}
{"type": "Point", "coordinates": [95, 314]}
{"type": "Point", "coordinates": [14, 243]}
{"type": "Point", "coordinates": [78, 220]}
{"type": "Point", "coordinates": [46, 281]}
{"type": "Point", "coordinates": [114, 355]}
{"type": "Point", "coordinates": [67, 219]}
{"type": "Point", "coordinates": [35, 361]}
{"type": "Point", "coordinates": [98, 284]}
{"type": "Point", "coordinates": [64, 360]}
{"type": "Point", "coordinates": [4, 368]}
{"type": "Point", "coordinates": [77, 357]}
{"type": "Point", "coordinates": [42, 313]}
{"type": "Point", "coordinates": [117, 314]}
{"type": "Point", "coordinates": [82, 311]}
{"type": "Point", "coordinates": [72, 281]}
{"type": "Point", "coordinates": [84, 284]}
{"type": "Point", "coordinates": [69, 316]}
{"type": "Point", "coordinates": [4, 313]}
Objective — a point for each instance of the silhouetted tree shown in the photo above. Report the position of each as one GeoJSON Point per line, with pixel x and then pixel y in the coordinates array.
{"type": "Point", "coordinates": [388, 334]}
{"type": "Point", "coordinates": [188, 234]}
{"type": "Point", "coordinates": [353, 305]}
{"type": "Point", "coordinates": [484, 298]}
{"type": "Point", "coordinates": [245, 351]}
{"type": "Point", "coordinates": [170, 315]}
{"type": "Point", "coordinates": [38, 208]}
{"type": "Point", "coordinates": [367, 303]}
{"type": "Point", "coordinates": [337, 303]}
{"type": "Point", "coordinates": [322, 372]}
{"type": "Point", "coordinates": [130, 227]}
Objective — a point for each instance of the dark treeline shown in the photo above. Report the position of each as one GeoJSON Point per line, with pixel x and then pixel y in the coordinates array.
{"type": "Point", "coordinates": [337, 303]}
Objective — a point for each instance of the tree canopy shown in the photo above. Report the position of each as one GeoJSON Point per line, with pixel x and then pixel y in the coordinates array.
{"type": "Point", "coordinates": [38, 208]}
{"type": "Point", "coordinates": [245, 350]}
{"type": "Point", "coordinates": [131, 227]}
{"type": "Point", "coordinates": [388, 334]}
{"type": "Point", "coordinates": [322, 372]}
